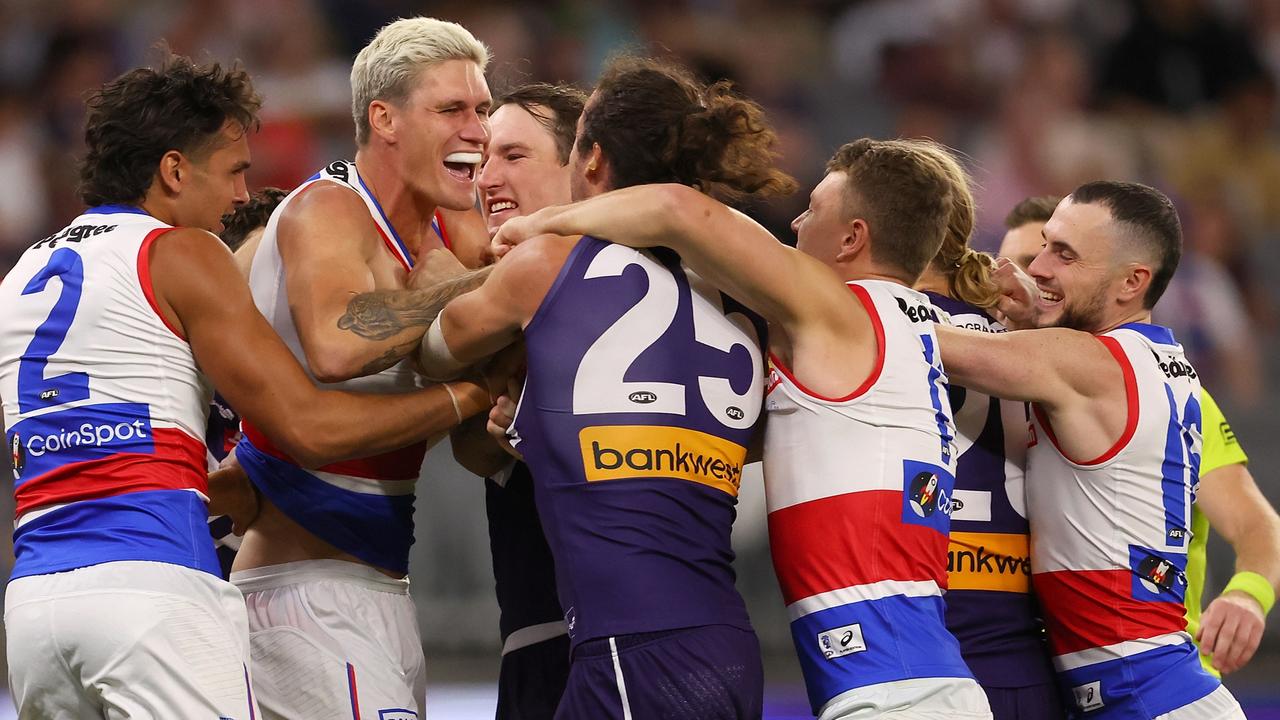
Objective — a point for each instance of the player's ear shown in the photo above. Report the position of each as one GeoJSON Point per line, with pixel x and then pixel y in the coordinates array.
{"type": "Point", "coordinates": [595, 167]}
{"type": "Point", "coordinates": [1134, 282]}
{"type": "Point", "coordinates": [382, 121]}
{"type": "Point", "coordinates": [854, 240]}
{"type": "Point", "coordinates": [170, 171]}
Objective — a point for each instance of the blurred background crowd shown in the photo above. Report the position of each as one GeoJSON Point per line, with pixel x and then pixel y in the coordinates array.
{"type": "Point", "coordinates": [1038, 95]}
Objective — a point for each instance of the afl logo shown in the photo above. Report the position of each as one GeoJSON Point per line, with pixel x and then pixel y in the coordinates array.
{"type": "Point", "coordinates": [924, 494]}
{"type": "Point", "coordinates": [17, 454]}
{"type": "Point", "coordinates": [734, 413]}
{"type": "Point", "coordinates": [642, 397]}
{"type": "Point", "coordinates": [1157, 573]}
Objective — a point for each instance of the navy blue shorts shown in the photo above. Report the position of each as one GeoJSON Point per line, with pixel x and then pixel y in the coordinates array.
{"type": "Point", "coordinates": [1034, 702]}
{"type": "Point", "coordinates": [532, 679]}
{"type": "Point", "coordinates": [711, 672]}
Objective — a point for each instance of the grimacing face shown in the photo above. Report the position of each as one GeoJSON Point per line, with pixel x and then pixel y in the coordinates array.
{"type": "Point", "coordinates": [1023, 243]}
{"type": "Point", "coordinates": [214, 185]}
{"type": "Point", "coordinates": [1073, 270]}
{"type": "Point", "coordinates": [442, 128]}
{"type": "Point", "coordinates": [522, 172]}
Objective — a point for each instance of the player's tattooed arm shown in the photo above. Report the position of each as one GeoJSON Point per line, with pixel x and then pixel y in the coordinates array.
{"type": "Point", "coordinates": [383, 314]}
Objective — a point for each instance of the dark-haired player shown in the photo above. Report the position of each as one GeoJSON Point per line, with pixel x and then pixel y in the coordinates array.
{"type": "Point", "coordinates": [112, 330]}
{"type": "Point", "coordinates": [643, 390]}
{"type": "Point", "coordinates": [1228, 500]}
{"type": "Point", "coordinates": [526, 169]}
{"type": "Point", "coordinates": [1114, 456]}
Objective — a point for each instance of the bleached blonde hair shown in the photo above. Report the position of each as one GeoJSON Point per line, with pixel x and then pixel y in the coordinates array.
{"type": "Point", "coordinates": [386, 68]}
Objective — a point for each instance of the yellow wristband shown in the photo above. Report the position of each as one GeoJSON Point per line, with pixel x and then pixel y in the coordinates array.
{"type": "Point", "coordinates": [1256, 587]}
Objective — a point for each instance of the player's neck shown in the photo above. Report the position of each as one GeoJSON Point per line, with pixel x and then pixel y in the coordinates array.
{"type": "Point", "coordinates": [159, 209]}
{"type": "Point", "coordinates": [1141, 315]}
{"type": "Point", "coordinates": [409, 213]}
{"type": "Point", "coordinates": [863, 267]}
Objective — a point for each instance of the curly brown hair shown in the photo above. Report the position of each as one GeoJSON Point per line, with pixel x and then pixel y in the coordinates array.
{"type": "Point", "coordinates": [143, 114]}
{"type": "Point", "coordinates": [655, 123]}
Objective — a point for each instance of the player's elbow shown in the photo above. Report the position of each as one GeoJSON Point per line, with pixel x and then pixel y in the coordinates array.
{"type": "Point", "coordinates": [331, 365]}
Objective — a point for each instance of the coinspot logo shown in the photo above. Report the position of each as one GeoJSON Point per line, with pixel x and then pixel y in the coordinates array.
{"type": "Point", "coordinates": [87, 435]}
{"type": "Point", "coordinates": [45, 442]}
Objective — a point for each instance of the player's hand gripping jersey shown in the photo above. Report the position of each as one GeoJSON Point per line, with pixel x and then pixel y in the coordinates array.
{"type": "Point", "coordinates": [1110, 539]}
{"type": "Point", "coordinates": [860, 495]}
{"type": "Point", "coordinates": [103, 405]}
{"type": "Point", "coordinates": [644, 387]}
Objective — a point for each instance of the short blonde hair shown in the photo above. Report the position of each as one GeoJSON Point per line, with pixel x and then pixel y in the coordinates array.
{"type": "Point", "coordinates": [386, 68]}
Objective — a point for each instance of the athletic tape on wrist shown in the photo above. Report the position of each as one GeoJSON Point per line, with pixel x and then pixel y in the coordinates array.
{"type": "Point", "coordinates": [1256, 587]}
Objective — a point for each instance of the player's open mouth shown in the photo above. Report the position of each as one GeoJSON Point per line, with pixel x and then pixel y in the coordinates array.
{"type": "Point", "coordinates": [463, 165]}
{"type": "Point", "coordinates": [497, 206]}
{"type": "Point", "coordinates": [1049, 297]}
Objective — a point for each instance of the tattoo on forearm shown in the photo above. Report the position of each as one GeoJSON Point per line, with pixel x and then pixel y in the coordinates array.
{"type": "Point", "coordinates": [388, 358]}
{"type": "Point", "coordinates": [382, 314]}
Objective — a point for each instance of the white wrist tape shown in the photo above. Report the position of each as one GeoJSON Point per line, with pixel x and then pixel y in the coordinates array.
{"type": "Point", "coordinates": [438, 363]}
{"type": "Point", "coordinates": [454, 398]}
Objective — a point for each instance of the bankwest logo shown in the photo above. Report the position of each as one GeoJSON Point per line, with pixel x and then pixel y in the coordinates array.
{"type": "Point", "coordinates": [616, 452]}
{"type": "Point", "coordinates": [989, 561]}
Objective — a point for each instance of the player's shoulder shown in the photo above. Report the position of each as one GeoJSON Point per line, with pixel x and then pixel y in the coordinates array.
{"type": "Point", "coordinates": [326, 210]}
{"type": "Point", "coordinates": [185, 250]}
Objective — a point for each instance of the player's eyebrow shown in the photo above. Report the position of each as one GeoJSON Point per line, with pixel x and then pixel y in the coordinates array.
{"type": "Point", "coordinates": [1060, 245]}
{"type": "Point", "coordinates": [508, 147]}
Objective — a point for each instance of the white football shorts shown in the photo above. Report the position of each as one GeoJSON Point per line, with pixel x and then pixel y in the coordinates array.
{"type": "Point", "coordinates": [333, 639]}
{"type": "Point", "coordinates": [128, 640]}
{"type": "Point", "coordinates": [914, 699]}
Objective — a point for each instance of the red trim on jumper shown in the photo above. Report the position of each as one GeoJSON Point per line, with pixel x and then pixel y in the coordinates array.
{"type": "Point", "coordinates": [852, 539]}
{"type": "Point", "coordinates": [402, 464]}
{"type": "Point", "coordinates": [862, 295]}
{"type": "Point", "coordinates": [351, 686]}
{"type": "Point", "coordinates": [144, 277]}
{"type": "Point", "coordinates": [1131, 400]}
{"type": "Point", "coordinates": [178, 463]}
{"type": "Point", "coordinates": [444, 232]}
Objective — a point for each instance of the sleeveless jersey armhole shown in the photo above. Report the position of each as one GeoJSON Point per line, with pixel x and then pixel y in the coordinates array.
{"type": "Point", "coordinates": [1131, 402]}
{"type": "Point", "coordinates": [144, 278]}
{"type": "Point", "coordinates": [865, 298]}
